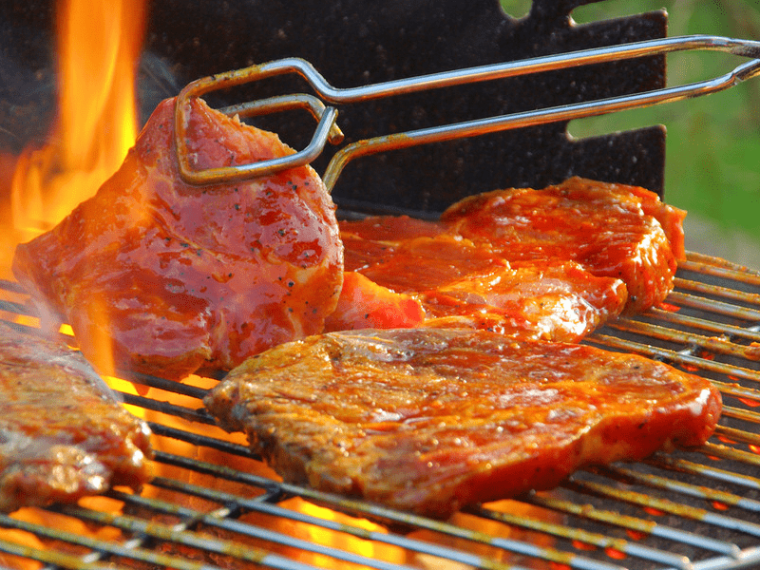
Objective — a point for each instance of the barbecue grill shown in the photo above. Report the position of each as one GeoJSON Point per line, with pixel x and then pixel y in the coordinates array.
{"type": "Point", "coordinates": [214, 505]}
{"type": "Point", "coordinates": [218, 507]}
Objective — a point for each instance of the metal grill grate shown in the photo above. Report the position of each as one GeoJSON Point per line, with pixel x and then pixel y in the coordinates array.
{"type": "Point", "coordinates": [213, 505]}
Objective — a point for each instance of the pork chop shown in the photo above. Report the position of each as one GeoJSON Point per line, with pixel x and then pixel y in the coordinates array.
{"type": "Point", "coordinates": [174, 277]}
{"type": "Point", "coordinates": [611, 230]}
{"type": "Point", "coordinates": [431, 420]}
{"type": "Point", "coordinates": [63, 435]}
{"type": "Point", "coordinates": [460, 283]}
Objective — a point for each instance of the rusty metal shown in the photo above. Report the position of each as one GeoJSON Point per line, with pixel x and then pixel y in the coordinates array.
{"type": "Point", "coordinates": [327, 116]}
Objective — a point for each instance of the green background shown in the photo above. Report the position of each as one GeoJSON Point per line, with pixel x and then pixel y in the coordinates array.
{"type": "Point", "coordinates": [713, 142]}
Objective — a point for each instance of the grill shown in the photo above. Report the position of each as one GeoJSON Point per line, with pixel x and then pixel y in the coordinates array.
{"type": "Point", "coordinates": [213, 505]}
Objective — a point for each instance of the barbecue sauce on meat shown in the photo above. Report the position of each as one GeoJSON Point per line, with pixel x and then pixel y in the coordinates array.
{"type": "Point", "coordinates": [550, 264]}
{"type": "Point", "coordinates": [431, 420]}
{"type": "Point", "coordinates": [178, 277]}
{"type": "Point", "coordinates": [62, 433]}
{"type": "Point", "coordinates": [611, 230]}
{"type": "Point", "coordinates": [459, 283]}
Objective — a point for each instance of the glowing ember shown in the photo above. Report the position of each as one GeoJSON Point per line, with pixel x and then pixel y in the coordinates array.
{"type": "Point", "coordinates": [636, 534]}
{"type": "Point", "coordinates": [615, 554]}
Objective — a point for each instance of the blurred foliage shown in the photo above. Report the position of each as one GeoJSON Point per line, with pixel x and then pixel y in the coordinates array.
{"type": "Point", "coordinates": [713, 142]}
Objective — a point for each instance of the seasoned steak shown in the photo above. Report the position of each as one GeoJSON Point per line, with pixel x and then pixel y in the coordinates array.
{"type": "Point", "coordinates": [611, 230]}
{"type": "Point", "coordinates": [430, 420]}
{"type": "Point", "coordinates": [177, 277]}
{"type": "Point", "coordinates": [551, 264]}
{"type": "Point", "coordinates": [62, 433]}
{"type": "Point", "coordinates": [459, 283]}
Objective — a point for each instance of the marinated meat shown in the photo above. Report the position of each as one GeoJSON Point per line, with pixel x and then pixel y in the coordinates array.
{"type": "Point", "coordinates": [460, 283]}
{"type": "Point", "coordinates": [550, 264]}
{"type": "Point", "coordinates": [612, 230]}
{"type": "Point", "coordinates": [431, 420]}
{"type": "Point", "coordinates": [365, 304]}
{"type": "Point", "coordinates": [63, 435]}
{"type": "Point", "coordinates": [178, 277]}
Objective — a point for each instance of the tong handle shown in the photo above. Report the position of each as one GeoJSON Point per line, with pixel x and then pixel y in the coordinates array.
{"type": "Point", "coordinates": [326, 116]}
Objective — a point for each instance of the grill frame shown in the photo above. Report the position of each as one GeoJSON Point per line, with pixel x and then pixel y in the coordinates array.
{"type": "Point", "coordinates": [657, 514]}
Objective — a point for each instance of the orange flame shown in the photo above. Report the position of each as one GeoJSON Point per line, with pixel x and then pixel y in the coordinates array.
{"type": "Point", "coordinates": [99, 43]}
{"type": "Point", "coordinates": [98, 46]}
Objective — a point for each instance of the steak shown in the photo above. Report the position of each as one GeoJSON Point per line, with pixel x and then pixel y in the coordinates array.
{"type": "Point", "coordinates": [175, 277]}
{"type": "Point", "coordinates": [612, 230]}
{"type": "Point", "coordinates": [63, 435]}
{"type": "Point", "coordinates": [551, 264]}
{"type": "Point", "coordinates": [431, 420]}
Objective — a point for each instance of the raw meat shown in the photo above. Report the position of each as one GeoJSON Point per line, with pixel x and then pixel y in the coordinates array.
{"type": "Point", "coordinates": [430, 420]}
{"type": "Point", "coordinates": [63, 435]}
{"type": "Point", "coordinates": [174, 277]}
{"type": "Point", "coordinates": [611, 230]}
{"type": "Point", "coordinates": [459, 283]}
{"type": "Point", "coordinates": [551, 264]}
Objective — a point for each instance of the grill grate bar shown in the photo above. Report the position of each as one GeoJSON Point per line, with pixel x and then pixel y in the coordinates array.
{"type": "Point", "coordinates": [15, 308]}
{"type": "Point", "coordinates": [688, 360]}
{"type": "Point", "coordinates": [745, 415]}
{"type": "Point", "coordinates": [235, 549]}
{"type": "Point", "coordinates": [723, 452]}
{"type": "Point", "coordinates": [98, 547]}
{"type": "Point", "coordinates": [665, 505]}
{"type": "Point", "coordinates": [200, 440]}
{"type": "Point", "coordinates": [635, 524]}
{"type": "Point", "coordinates": [739, 435]}
{"type": "Point", "coordinates": [685, 466]}
{"type": "Point", "coordinates": [716, 290]}
{"type": "Point", "coordinates": [359, 532]}
{"type": "Point", "coordinates": [181, 534]}
{"type": "Point", "coordinates": [670, 485]}
{"type": "Point", "coordinates": [406, 519]}
{"type": "Point", "coordinates": [714, 266]}
{"type": "Point", "coordinates": [750, 558]}
{"type": "Point", "coordinates": [60, 560]}
{"type": "Point", "coordinates": [594, 539]}
{"type": "Point", "coordinates": [658, 332]}
{"type": "Point", "coordinates": [163, 384]}
{"type": "Point", "coordinates": [189, 414]}
{"type": "Point", "coordinates": [749, 333]}
{"type": "Point", "coordinates": [717, 267]}
{"type": "Point", "coordinates": [712, 306]}
{"type": "Point", "coordinates": [747, 394]}
{"type": "Point", "coordinates": [708, 329]}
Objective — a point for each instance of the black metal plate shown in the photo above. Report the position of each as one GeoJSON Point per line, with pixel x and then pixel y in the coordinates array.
{"type": "Point", "coordinates": [355, 42]}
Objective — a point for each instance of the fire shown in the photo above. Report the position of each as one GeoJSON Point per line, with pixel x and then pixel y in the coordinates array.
{"type": "Point", "coordinates": [98, 44]}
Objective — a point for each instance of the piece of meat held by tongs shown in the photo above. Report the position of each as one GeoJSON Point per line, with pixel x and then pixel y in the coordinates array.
{"type": "Point", "coordinates": [216, 241]}
{"type": "Point", "coordinates": [626, 240]}
{"type": "Point", "coordinates": [327, 115]}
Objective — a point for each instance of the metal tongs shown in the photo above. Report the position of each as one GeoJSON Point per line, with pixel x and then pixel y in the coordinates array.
{"type": "Point", "coordinates": [327, 129]}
